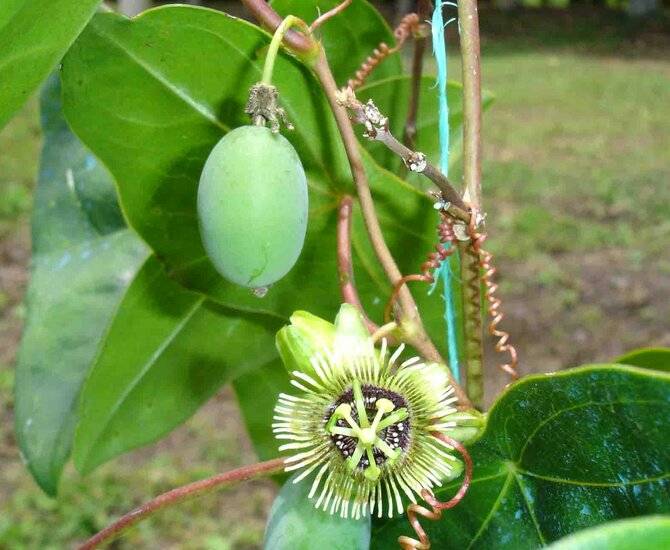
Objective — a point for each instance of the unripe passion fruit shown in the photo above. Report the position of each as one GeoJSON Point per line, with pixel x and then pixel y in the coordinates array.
{"type": "Point", "coordinates": [252, 206]}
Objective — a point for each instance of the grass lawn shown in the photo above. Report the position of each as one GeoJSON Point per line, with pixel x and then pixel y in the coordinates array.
{"type": "Point", "coordinates": [577, 189]}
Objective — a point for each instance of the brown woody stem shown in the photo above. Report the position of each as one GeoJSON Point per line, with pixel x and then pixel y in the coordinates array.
{"type": "Point", "coordinates": [472, 102]}
{"type": "Point", "coordinates": [458, 209]}
{"type": "Point", "coordinates": [409, 320]}
{"type": "Point", "coordinates": [192, 490]}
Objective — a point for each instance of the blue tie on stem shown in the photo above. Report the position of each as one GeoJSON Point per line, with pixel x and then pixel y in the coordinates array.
{"type": "Point", "coordinates": [444, 271]}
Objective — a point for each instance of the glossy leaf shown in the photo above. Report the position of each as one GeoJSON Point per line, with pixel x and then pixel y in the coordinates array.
{"type": "Point", "coordinates": [560, 453]}
{"type": "Point", "coordinates": [295, 524]}
{"type": "Point", "coordinates": [257, 392]}
{"type": "Point", "coordinates": [648, 358]}
{"type": "Point", "coordinates": [83, 259]}
{"type": "Point", "coordinates": [157, 131]}
{"type": "Point", "coordinates": [650, 533]}
{"type": "Point", "coordinates": [349, 37]}
{"type": "Point", "coordinates": [34, 35]}
{"type": "Point", "coordinates": [167, 351]}
{"type": "Point", "coordinates": [170, 113]}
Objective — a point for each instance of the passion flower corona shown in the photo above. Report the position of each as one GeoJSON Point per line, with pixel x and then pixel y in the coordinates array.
{"type": "Point", "coordinates": [363, 423]}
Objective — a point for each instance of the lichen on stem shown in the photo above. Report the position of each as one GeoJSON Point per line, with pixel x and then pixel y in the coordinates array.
{"type": "Point", "coordinates": [377, 129]}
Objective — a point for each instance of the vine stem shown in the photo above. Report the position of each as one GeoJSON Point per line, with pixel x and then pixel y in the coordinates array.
{"type": "Point", "coordinates": [271, 19]}
{"type": "Point", "coordinates": [472, 193]}
{"type": "Point", "coordinates": [277, 39]}
{"type": "Point", "coordinates": [409, 136]}
{"type": "Point", "coordinates": [332, 13]}
{"type": "Point", "coordinates": [409, 321]}
{"type": "Point", "coordinates": [325, 76]}
{"type": "Point", "coordinates": [181, 494]}
{"type": "Point", "coordinates": [344, 261]}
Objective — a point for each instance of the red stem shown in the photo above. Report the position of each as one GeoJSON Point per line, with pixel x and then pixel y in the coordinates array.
{"type": "Point", "coordinates": [435, 513]}
{"type": "Point", "coordinates": [344, 262]}
{"type": "Point", "coordinates": [332, 13]}
{"type": "Point", "coordinates": [271, 19]}
{"type": "Point", "coordinates": [467, 478]}
{"type": "Point", "coordinates": [409, 137]}
{"type": "Point", "coordinates": [195, 489]}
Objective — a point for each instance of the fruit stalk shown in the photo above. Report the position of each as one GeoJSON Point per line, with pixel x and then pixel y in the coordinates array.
{"type": "Point", "coordinates": [277, 39]}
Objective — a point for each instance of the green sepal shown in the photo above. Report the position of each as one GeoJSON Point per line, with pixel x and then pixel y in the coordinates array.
{"type": "Point", "coordinates": [349, 324]}
{"type": "Point", "coordinates": [469, 426]}
{"type": "Point", "coordinates": [308, 335]}
{"type": "Point", "coordinates": [298, 342]}
{"type": "Point", "coordinates": [457, 469]}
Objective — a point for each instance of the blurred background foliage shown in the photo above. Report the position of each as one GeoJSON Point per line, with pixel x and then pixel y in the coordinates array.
{"type": "Point", "coordinates": [576, 174]}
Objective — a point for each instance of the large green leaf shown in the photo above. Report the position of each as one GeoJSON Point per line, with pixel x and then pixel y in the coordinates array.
{"type": "Point", "coordinates": [156, 131]}
{"type": "Point", "coordinates": [34, 35]}
{"type": "Point", "coordinates": [648, 358]}
{"type": "Point", "coordinates": [295, 524]}
{"type": "Point", "coordinates": [167, 351]}
{"type": "Point", "coordinates": [650, 533]}
{"type": "Point", "coordinates": [257, 392]}
{"type": "Point", "coordinates": [155, 134]}
{"type": "Point", "coordinates": [348, 38]}
{"type": "Point", "coordinates": [83, 259]}
{"type": "Point", "coordinates": [560, 453]}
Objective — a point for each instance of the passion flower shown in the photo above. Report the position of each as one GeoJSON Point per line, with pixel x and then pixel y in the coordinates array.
{"type": "Point", "coordinates": [363, 423]}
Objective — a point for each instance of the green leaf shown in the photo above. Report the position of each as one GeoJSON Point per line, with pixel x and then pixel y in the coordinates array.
{"type": "Point", "coordinates": [650, 533]}
{"type": "Point", "coordinates": [167, 351]}
{"type": "Point", "coordinates": [296, 524]}
{"type": "Point", "coordinates": [83, 259]}
{"type": "Point", "coordinates": [156, 133]}
{"type": "Point", "coordinates": [648, 358]}
{"type": "Point", "coordinates": [560, 453]}
{"type": "Point", "coordinates": [34, 35]}
{"type": "Point", "coordinates": [349, 37]}
{"type": "Point", "coordinates": [257, 392]}
{"type": "Point", "coordinates": [392, 96]}
{"type": "Point", "coordinates": [173, 114]}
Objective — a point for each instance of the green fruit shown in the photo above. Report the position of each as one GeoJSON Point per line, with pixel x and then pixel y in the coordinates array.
{"type": "Point", "coordinates": [252, 206]}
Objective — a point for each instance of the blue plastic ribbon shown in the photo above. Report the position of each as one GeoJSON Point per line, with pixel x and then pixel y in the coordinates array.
{"type": "Point", "coordinates": [444, 271]}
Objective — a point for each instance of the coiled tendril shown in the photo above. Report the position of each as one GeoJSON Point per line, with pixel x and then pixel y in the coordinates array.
{"type": "Point", "coordinates": [494, 304]}
{"type": "Point", "coordinates": [410, 24]}
{"type": "Point", "coordinates": [445, 233]}
{"type": "Point", "coordinates": [414, 510]}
